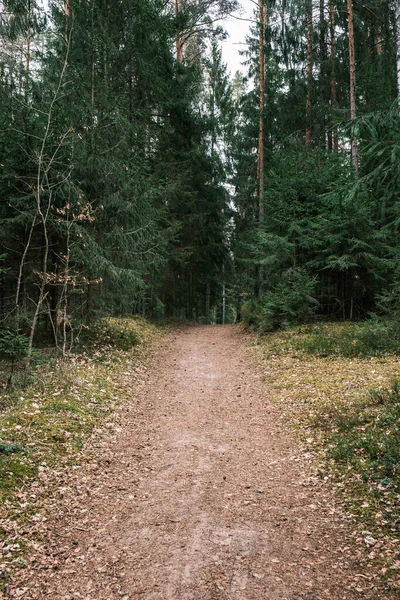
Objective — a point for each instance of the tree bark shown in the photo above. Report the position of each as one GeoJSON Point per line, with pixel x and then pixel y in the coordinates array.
{"type": "Point", "coordinates": [324, 92]}
{"type": "Point", "coordinates": [28, 49]}
{"type": "Point", "coordinates": [93, 74]}
{"type": "Point", "coordinates": [179, 43]}
{"type": "Point", "coordinates": [261, 136]}
{"type": "Point", "coordinates": [352, 61]}
{"type": "Point", "coordinates": [398, 46]}
{"type": "Point", "coordinates": [334, 99]}
{"type": "Point", "coordinates": [309, 70]}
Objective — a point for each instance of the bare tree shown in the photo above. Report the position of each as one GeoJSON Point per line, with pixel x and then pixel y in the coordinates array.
{"type": "Point", "coordinates": [42, 189]}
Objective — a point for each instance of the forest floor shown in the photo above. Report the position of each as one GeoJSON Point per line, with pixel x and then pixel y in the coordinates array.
{"type": "Point", "coordinates": [198, 492]}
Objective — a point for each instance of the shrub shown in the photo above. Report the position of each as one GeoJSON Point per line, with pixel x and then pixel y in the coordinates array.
{"type": "Point", "coordinates": [11, 448]}
{"type": "Point", "coordinates": [289, 302]}
{"type": "Point", "coordinates": [13, 345]}
{"type": "Point", "coordinates": [122, 333]}
{"type": "Point", "coordinates": [251, 312]}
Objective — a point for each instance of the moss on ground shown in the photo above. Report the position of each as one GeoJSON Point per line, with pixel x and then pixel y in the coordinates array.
{"type": "Point", "coordinates": [46, 424]}
{"type": "Point", "coordinates": [346, 409]}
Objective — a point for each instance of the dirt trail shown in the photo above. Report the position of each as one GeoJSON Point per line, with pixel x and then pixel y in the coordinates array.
{"type": "Point", "coordinates": [201, 495]}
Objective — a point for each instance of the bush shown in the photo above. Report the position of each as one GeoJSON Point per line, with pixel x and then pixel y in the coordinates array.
{"type": "Point", "coordinates": [251, 312]}
{"type": "Point", "coordinates": [122, 333]}
{"type": "Point", "coordinates": [11, 448]}
{"type": "Point", "coordinates": [289, 302]}
{"type": "Point", "coordinates": [13, 345]}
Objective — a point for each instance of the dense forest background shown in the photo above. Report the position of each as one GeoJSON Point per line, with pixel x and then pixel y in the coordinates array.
{"type": "Point", "coordinates": [138, 177]}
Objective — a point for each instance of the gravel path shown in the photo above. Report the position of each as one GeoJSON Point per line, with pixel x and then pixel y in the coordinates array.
{"type": "Point", "coordinates": [200, 494]}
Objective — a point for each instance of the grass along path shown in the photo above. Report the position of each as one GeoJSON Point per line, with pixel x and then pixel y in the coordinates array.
{"type": "Point", "coordinates": [346, 410]}
{"type": "Point", "coordinates": [198, 491]}
{"type": "Point", "coordinates": [47, 430]}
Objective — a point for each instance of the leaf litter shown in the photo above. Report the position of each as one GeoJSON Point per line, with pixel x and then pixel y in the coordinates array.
{"type": "Point", "coordinates": [47, 435]}
{"type": "Point", "coordinates": [340, 409]}
{"type": "Point", "coordinates": [223, 489]}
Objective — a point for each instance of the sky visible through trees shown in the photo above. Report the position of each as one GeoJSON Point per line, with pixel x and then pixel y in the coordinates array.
{"type": "Point", "coordinates": [237, 27]}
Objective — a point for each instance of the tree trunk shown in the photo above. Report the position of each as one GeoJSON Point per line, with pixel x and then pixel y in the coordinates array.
{"type": "Point", "coordinates": [93, 74]}
{"type": "Point", "coordinates": [324, 93]}
{"type": "Point", "coordinates": [352, 61]}
{"type": "Point", "coordinates": [223, 303]}
{"type": "Point", "coordinates": [398, 46]}
{"type": "Point", "coordinates": [309, 70]}
{"type": "Point", "coordinates": [208, 297]}
{"type": "Point", "coordinates": [334, 99]}
{"type": "Point", "coordinates": [179, 42]}
{"type": "Point", "coordinates": [28, 49]}
{"type": "Point", "coordinates": [261, 138]}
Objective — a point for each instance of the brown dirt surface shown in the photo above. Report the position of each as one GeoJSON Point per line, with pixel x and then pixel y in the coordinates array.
{"type": "Point", "coordinates": [200, 493]}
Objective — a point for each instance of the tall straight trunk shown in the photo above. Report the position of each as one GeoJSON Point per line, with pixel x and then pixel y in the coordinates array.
{"type": "Point", "coordinates": [179, 43]}
{"type": "Point", "coordinates": [352, 62]}
{"type": "Point", "coordinates": [28, 49]}
{"type": "Point", "coordinates": [93, 74]}
{"type": "Point", "coordinates": [398, 46]}
{"type": "Point", "coordinates": [27, 240]}
{"type": "Point", "coordinates": [261, 135]}
{"type": "Point", "coordinates": [309, 70]}
{"type": "Point", "coordinates": [324, 93]}
{"type": "Point", "coordinates": [334, 99]}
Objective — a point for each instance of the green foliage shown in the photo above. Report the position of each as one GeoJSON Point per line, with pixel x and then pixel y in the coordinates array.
{"type": "Point", "coordinates": [129, 173]}
{"type": "Point", "coordinates": [319, 214]}
{"type": "Point", "coordinates": [289, 302]}
{"type": "Point", "coordinates": [13, 345]}
{"type": "Point", "coordinates": [370, 440]}
{"type": "Point", "coordinates": [353, 431]}
{"type": "Point", "coordinates": [121, 333]}
{"type": "Point", "coordinates": [11, 448]}
{"type": "Point", "coordinates": [374, 337]}
{"type": "Point", "coordinates": [148, 176]}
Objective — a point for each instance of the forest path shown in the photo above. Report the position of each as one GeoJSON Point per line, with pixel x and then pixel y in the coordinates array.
{"type": "Point", "coordinates": [201, 494]}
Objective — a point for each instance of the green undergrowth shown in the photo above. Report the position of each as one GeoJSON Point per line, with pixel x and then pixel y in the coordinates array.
{"type": "Point", "coordinates": [374, 337]}
{"type": "Point", "coordinates": [46, 424]}
{"type": "Point", "coordinates": [345, 406]}
{"type": "Point", "coordinates": [121, 333]}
